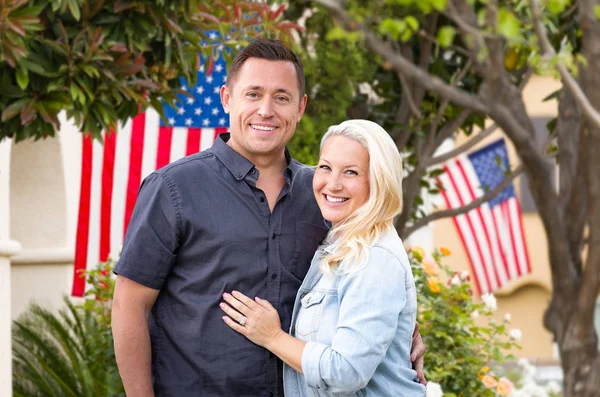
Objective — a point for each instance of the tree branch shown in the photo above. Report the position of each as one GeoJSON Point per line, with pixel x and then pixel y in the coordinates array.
{"type": "Point", "coordinates": [462, 148]}
{"type": "Point", "coordinates": [463, 210]}
{"type": "Point", "coordinates": [403, 66]}
{"type": "Point", "coordinates": [588, 109]}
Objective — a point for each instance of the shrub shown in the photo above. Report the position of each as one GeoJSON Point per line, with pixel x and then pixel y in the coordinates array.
{"type": "Point", "coordinates": [460, 350]}
{"type": "Point", "coordinates": [69, 353]}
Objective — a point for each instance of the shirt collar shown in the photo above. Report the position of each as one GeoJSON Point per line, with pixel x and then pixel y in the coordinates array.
{"type": "Point", "coordinates": [239, 166]}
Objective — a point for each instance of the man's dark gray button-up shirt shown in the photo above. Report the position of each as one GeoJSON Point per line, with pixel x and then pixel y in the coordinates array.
{"type": "Point", "coordinates": [201, 227]}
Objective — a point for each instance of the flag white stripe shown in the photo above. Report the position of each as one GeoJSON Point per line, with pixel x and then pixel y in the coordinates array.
{"type": "Point", "coordinates": [178, 143]}
{"type": "Point", "coordinates": [95, 199]}
{"type": "Point", "coordinates": [151, 129]}
{"type": "Point", "coordinates": [207, 137]}
{"type": "Point", "coordinates": [119, 193]}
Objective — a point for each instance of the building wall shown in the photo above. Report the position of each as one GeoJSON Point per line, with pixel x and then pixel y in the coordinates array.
{"type": "Point", "coordinates": [44, 192]}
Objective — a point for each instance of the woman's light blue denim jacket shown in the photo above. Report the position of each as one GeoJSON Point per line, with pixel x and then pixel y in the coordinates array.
{"type": "Point", "coordinates": [358, 328]}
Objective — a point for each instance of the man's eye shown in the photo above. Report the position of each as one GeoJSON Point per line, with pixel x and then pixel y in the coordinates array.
{"type": "Point", "coordinates": [283, 98]}
{"type": "Point", "coordinates": [252, 95]}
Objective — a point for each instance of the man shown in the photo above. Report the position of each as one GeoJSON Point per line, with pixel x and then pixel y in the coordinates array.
{"type": "Point", "coordinates": [239, 215]}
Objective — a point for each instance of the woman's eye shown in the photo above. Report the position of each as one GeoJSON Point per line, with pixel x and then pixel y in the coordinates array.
{"type": "Point", "coordinates": [323, 167]}
{"type": "Point", "coordinates": [351, 172]}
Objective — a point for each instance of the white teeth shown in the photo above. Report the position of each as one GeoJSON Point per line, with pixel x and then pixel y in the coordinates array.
{"type": "Point", "coordinates": [335, 199]}
{"type": "Point", "coordinates": [262, 128]}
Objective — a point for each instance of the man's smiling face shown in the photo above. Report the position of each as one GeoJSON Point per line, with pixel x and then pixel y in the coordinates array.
{"type": "Point", "coordinates": [265, 105]}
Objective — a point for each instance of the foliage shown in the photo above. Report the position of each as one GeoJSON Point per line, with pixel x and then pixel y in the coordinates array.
{"type": "Point", "coordinates": [334, 69]}
{"type": "Point", "coordinates": [462, 339]}
{"type": "Point", "coordinates": [101, 60]}
{"type": "Point", "coordinates": [69, 353]}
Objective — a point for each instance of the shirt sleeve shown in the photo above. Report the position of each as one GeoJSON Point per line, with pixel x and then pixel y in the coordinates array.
{"type": "Point", "coordinates": [152, 235]}
{"type": "Point", "coordinates": [370, 302]}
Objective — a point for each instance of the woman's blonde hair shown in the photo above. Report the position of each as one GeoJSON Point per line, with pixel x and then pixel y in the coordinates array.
{"type": "Point", "coordinates": [351, 239]}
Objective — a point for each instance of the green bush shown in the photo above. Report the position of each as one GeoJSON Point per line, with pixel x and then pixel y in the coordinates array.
{"type": "Point", "coordinates": [460, 351]}
{"type": "Point", "coordinates": [69, 353]}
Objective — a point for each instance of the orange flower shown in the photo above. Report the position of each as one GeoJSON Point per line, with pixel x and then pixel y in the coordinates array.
{"type": "Point", "coordinates": [489, 381]}
{"type": "Point", "coordinates": [504, 387]}
{"type": "Point", "coordinates": [445, 251]}
{"type": "Point", "coordinates": [434, 284]}
{"type": "Point", "coordinates": [485, 369]}
{"type": "Point", "coordinates": [429, 265]}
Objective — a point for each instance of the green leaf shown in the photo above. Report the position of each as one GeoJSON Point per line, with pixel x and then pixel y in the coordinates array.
{"type": "Point", "coordinates": [557, 6]}
{"type": "Point", "coordinates": [439, 5]}
{"type": "Point", "coordinates": [445, 36]}
{"type": "Point", "coordinates": [597, 11]}
{"type": "Point", "coordinates": [14, 109]}
{"type": "Point", "coordinates": [508, 24]}
{"type": "Point", "coordinates": [22, 75]}
{"type": "Point", "coordinates": [392, 27]}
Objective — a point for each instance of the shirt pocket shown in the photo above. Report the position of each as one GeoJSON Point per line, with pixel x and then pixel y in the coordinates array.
{"type": "Point", "coordinates": [309, 315]}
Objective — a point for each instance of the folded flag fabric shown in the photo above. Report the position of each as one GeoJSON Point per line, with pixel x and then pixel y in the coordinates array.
{"type": "Point", "coordinates": [492, 233]}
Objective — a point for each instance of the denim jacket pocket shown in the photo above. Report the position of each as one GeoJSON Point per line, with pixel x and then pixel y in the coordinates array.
{"type": "Point", "coordinates": [309, 315]}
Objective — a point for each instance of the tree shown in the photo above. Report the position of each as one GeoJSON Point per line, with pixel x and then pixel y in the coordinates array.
{"type": "Point", "coordinates": [104, 61]}
{"type": "Point", "coordinates": [446, 65]}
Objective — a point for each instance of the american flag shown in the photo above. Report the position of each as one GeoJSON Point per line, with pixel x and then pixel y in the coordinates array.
{"type": "Point", "coordinates": [492, 233]}
{"type": "Point", "coordinates": [112, 172]}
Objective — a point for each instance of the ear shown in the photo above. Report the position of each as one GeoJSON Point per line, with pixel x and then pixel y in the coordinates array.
{"type": "Point", "coordinates": [302, 107]}
{"type": "Point", "coordinates": [225, 98]}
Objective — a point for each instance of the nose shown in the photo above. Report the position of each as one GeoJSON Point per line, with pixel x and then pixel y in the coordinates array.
{"type": "Point", "coordinates": [266, 108]}
{"type": "Point", "coordinates": [333, 183]}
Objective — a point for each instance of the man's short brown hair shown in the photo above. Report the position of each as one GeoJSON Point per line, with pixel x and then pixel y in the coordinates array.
{"type": "Point", "coordinates": [271, 50]}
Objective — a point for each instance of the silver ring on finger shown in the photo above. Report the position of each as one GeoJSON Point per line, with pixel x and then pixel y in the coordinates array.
{"type": "Point", "coordinates": [243, 321]}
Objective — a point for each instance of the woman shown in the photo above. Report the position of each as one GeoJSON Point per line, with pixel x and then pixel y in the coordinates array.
{"type": "Point", "coordinates": [356, 309]}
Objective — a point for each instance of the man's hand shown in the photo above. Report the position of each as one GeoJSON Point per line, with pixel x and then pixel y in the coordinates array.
{"type": "Point", "coordinates": [417, 355]}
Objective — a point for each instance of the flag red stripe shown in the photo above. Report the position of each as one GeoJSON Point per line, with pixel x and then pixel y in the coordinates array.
{"type": "Point", "coordinates": [135, 166]}
{"type": "Point", "coordinates": [163, 154]}
{"type": "Point", "coordinates": [471, 227]}
{"type": "Point", "coordinates": [482, 221]}
{"type": "Point", "coordinates": [193, 141]}
{"type": "Point", "coordinates": [462, 237]}
{"type": "Point", "coordinates": [108, 164]}
{"type": "Point", "coordinates": [83, 221]}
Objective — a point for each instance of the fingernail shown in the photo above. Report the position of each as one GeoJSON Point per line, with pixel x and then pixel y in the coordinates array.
{"type": "Point", "coordinates": [234, 292]}
{"type": "Point", "coordinates": [221, 304]}
{"type": "Point", "coordinates": [225, 294]}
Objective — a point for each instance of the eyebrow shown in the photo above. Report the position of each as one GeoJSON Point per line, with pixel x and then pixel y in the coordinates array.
{"type": "Point", "coordinates": [346, 166]}
{"type": "Point", "coordinates": [261, 88]}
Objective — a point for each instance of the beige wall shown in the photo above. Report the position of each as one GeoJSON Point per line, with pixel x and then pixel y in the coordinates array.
{"type": "Point", "coordinates": [44, 189]}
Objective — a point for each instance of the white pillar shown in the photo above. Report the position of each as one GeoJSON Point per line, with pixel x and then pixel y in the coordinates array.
{"type": "Point", "coordinates": [8, 248]}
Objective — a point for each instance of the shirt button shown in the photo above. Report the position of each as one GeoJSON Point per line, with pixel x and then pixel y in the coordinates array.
{"type": "Point", "coordinates": [273, 236]}
{"type": "Point", "coordinates": [270, 394]}
{"type": "Point", "coordinates": [262, 199]}
{"type": "Point", "coordinates": [273, 276]}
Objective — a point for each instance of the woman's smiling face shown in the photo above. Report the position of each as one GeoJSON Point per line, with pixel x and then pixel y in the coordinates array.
{"type": "Point", "coordinates": [341, 181]}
